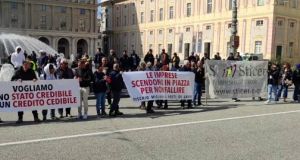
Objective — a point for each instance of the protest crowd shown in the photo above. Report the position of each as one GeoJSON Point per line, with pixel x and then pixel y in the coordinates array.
{"type": "Point", "coordinates": [102, 75]}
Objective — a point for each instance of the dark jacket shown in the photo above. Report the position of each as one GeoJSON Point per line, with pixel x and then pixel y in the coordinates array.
{"type": "Point", "coordinates": [273, 77]}
{"type": "Point", "coordinates": [231, 58]}
{"type": "Point", "coordinates": [99, 82]}
{"type": "Point", "coordinates": [125, 62]}
{"type": "Point", "coordinates": [284, 76]}
{"type": "Point", "coordinates": [149, 58]}
{"type": "Point", "coordinates": [29, 75]}
{"type": "Point", "coordinates": [134, 60]}
{"type": "Point", "coordinates": [199, 75]}
{"type": "Point", "coordinates": [86, 75]}
{"type": "Point", "coordinates": [192, 58]}
{"type": "Point", "coordinates": [64, 74]}
{"type": "Point", "coordinates": [296, 77]}
{"type": "Point", "coordinates": [116, 81]}
{"type": "Point", "coordinates": [98, 58]}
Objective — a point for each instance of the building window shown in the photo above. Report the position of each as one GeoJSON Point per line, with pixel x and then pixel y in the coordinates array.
{"type": "Point", "coordinates": [170, 31]}
{"type": "Point", "coordinates": [133, 19]}
{"type": "Point", "coordinates": [294, 3]}
{"type": "Point", "coordinates": [151, 33]}
{"type": "Point", "coordinates": [161, 14]}
{"type": "Point", "coordinates": [189, 9]}
{"type": "Point", "coordinates": [188, 29]}
{"type": "Point", "coordinates": [160, 32]}
{"type": "Point", "coordinates": [82, 11]}
{"type": "Point", "coordinates": [230, 4]}
{"type": "Point", "coordinates": [292, 24]}
{"type": "Point", "coordinates": [142, 2]}
{"type": "Point", "coordinates": [209, 6]}
{"type": "Point", "coordinates": [43, 8]}
{"type": "Point", "coordinates": [208, 27]}
{"type": "Point", "coordinates": [125, 21]}
{"type": "Point", "coordinates": [171, 12]}
{"type": "Point", "coordinates": [63, 9]}
{"type": "Point", "coordinates": [43, 22]}
{"type": "Point", "coordinates": [142, 17]}
{"type": "Point", "coordinates": [151, 15]}
{"type": "Point", "coordinates": [260, 2]}
{"type": "Point", "coordinates": [229, 25]}
{"type": "Point", "coordinates": [280, 23]}
{"type": "Point", "coordinates": [291, 49]}
{"type": "Point", "coordinates": [257, 49]}
{"type": "Point", "coordinates": [14, 21]}
{"type": "Point", "coordinates": [14, 5]}
{"type": "Point", "coordinates": [259, 23]}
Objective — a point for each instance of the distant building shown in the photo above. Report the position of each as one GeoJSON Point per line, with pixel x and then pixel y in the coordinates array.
{"type": "Point", "coordinates": [268, 27]}
{"type": "Point", "coordinates": [69, 26]}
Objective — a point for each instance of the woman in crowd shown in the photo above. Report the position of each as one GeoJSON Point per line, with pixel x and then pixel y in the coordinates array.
{"type": "Point", "coordinates": [285, 81]}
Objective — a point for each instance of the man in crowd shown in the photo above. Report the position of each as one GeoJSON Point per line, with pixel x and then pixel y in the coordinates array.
{"type": "Point", "coordinates": [112, 58]}
{"type": "Point", "coordinates": [18, 57]}
{"type": "Point", "coordinates": [199, 81]}
{"type": "Point", "coordinates": [192, 57]}
{"type": "Point", "coordinates": [206, 57]}
{"type": "Point", "coordinates": [116, 88]}
{"type": "Point", "coordinates": [231, 57]}
{"type": "Point", "coordinates": [64, 72]}
{"type": "Point", "coordinates": [49, 74]}
{"type": "Point", "coordinates": [25, 73]}
{"type": "Point", "coordinates": [149, 108]}
{"type": "Point", "coordinates": [98, 57]}
{"type": "Point", "coordinates": [125, 62]}
{"type": "Point", "coordinates": [296, 81]}
{"type": "Point", "coordinates": [175, 60]}
{"type": "Point", "coordinates": [85, 77]}
{"type": "Point", "coordinates": [134, 60]}
{"type": "Point", "coordinates": [100, 88]}
{"type": "Point", "coordinates": [106, 71]}
{"type": "Point", "coordinates": [217, 56]}
{"type": "Point", "coordinates": [186, 68]}
{"type": "Point", "coordinates": [164, 58]}
{"type": "Point", "coordinates": [238, 57]}
{"type": "Point", "coordinates": [149, 57]}
{"type": "Point", "coordinates": [273, 81]}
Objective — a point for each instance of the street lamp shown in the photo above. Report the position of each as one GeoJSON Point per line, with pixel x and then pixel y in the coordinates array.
{"type": "Point", "coordinates": [234, 39]}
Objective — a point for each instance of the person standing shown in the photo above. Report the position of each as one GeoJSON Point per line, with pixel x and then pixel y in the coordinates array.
{"type": "Point", "coordinates": [217, 56]}
{"type": "Point", "coordinates": [273, 81]}
{"type": "Point", "coordinates": [134, 60]}
{"type": "Point", "coordinates": [107, 70]}
{"type": "Point", "coordinates": [186, 68]}
{"type": "Point", "coordinates": [64, 72]}
{"type": "Point", "coordinates": [192, 57]}
{"type": "Point", "coordinates": [25, 73]}
{"type": "Point", "coordinates": [98, 57]}
{"type": "Point", "coordinates": [231, 57]}
{"type": "Point", "coordinates": [296, 81]}
{"type": "Point", "coordinates": [49, 74]}
{"type": "Point", "coordinates": [17, 57]}
{"type": "Point", "coordinates": [175, 60]}
{"type": "Point", "coordinates": [100, 88]}
{"type": "Point", "coordinates": [149, 57]}
{"type": "Point", "coordinates": [238, 57]}
{"type": "Point", "coordinates": [142, 68]}
{"type": "Point", "coordinates": [112, 58]}
{"type": "Point", "coordinates": [199, 80]}
{"type": "Point", "coordinates": [149, 108]}
{"type": "Point", "coordinates": [116, 88]}
{"type": "Point", "coordinates": [125, 62]}
{"type": "Point", "coordinates": [164, 58]}
{"type": "Point", "coordinates": [84, 76]}
{"type": "Point", "coordinates": [285, 81]}
{"type": "Point", "coordinates": [206, 57]}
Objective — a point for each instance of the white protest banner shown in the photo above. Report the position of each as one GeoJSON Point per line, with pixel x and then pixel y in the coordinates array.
{"type": "Point", "coordinates": [28, 95]}
{"type": "Point", "coordinates": [156, 85]}
{"type": "Point", "coordinates": [236, 79]}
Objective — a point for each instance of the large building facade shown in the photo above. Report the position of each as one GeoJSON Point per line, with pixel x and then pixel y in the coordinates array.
{"type": "Point", "coordinates": [69, 26]}
{"type": "Point", "coordinates": [268, 27]}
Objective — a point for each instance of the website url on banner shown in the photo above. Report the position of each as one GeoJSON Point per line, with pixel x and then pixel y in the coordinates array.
{"type": "Point", "coordinates": [237, 91]}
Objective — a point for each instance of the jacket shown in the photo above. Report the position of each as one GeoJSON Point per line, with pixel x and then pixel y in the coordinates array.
{"type": "Point", "coordinates": [29, 75]}
{"type": "Point", "coordinates": [149, 58]}
{"type": "Point", "coordinates": [273, 77]}
{"type": "Point", "coordinates": [99, 82]}
{"type": "Point", "coordinates": [86, 75]}
{"type": "Point", "coordinates": [116, 81]}
{"type": "Point", "coordinates": [296, 77]}
{"type": "Point", "coordinates": [17, 58]}
{"type": "Point", "coordinates": [65, 74]}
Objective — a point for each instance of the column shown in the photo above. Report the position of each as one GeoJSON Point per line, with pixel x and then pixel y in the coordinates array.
{"type": "Point", "coordinates": [31, 15]}
{"type": "Point", "coordinates": [52, 17]}
{"type": "Point", "coordinates": [71, 23]}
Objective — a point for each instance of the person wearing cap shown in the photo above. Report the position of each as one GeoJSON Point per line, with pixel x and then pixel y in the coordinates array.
{"type": "Point", "coordinates": [25, 73]}
{"type": "Point", "coordinates": [296, 81]}
{"type": "Point", "coordinates": [85, 77]}
{"type": "Point", "coordinates": [64, 72]}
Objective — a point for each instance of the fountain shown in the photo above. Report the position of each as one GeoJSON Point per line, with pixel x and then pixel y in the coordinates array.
{"type": "Point", "coordinates": [8, 43]}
